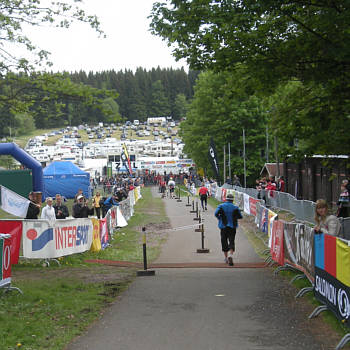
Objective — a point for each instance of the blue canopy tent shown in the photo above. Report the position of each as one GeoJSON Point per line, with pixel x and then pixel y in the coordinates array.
{"type": "Point", "coordinates": [65, 178]}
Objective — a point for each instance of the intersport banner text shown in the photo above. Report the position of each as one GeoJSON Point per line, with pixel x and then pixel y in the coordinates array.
{"type": "Point", "coordinates": [42, 240]}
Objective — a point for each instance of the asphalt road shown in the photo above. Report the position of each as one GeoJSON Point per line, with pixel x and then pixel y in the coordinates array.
{"type": "Point", "coordinates": [205, 308]}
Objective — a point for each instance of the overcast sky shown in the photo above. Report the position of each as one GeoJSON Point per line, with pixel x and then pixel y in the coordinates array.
{"type": "Point", "coordinates": [129, 44]}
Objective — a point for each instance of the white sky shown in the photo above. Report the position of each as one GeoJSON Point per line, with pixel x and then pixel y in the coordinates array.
{"type": "Point", "coordinates": [128, 45]}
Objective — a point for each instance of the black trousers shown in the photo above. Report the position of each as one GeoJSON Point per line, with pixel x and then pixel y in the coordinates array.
{"type": "Point", "coordinates": [204, 200]}
{"type": "Point", "coordinates": [228, 235]}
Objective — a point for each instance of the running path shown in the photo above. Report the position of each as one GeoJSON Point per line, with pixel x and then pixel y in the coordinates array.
{"type": "Point", "coordinates": [181, 246]}
{"type": "Point", "coordinates": [205, 309]}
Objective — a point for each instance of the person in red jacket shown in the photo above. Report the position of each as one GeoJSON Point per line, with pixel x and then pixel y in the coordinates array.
{"type": "Point", "coordinates": [203, 194]}
{"type": "Point", "coordinates": [271, 187]}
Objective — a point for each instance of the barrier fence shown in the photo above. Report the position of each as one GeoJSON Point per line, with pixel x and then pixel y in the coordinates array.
{"type": "Point", "coordinates": [41, 239]}
{"type": "Point", "coordinates": [322, 258]}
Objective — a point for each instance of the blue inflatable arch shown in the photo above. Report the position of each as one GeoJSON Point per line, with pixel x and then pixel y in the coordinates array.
{"type": "Point", "coordinates": [24, 158]}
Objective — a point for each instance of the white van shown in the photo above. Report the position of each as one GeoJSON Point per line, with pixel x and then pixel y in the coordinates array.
{"type": "Point", "coordinates": [136, 122]}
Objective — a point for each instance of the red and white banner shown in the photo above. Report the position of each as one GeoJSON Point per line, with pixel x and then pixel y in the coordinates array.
{"type": "Point", "coordinates": [104, 233]}
{"type": "Point", "coordinates": [14, 228]}
{"type": "Point", "coordinates": [5, 263]}
{"type": "Point", "coordinates": [223, 195]}
{"type": "Point", "coordinates": [277, 242]}
{"type": "Point", "coordinates": [63, 237]}
{"type": "Point", "coordinates": [252, 205]}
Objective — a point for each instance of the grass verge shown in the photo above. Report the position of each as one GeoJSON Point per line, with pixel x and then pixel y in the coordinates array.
{"type": "Point", "coordinates": [58, 303]}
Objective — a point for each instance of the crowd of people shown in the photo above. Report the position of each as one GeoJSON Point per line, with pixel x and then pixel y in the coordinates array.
{"type": "Point", "coordinates": [116, 188]}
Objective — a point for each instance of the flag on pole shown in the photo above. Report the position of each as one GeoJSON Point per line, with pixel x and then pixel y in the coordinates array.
{"type": "Point", "coordinates": [126, 159]}
{"type": "Point", "coordinates": [213, 159]}
{"type": "Point", "coordinates": [13, 203]}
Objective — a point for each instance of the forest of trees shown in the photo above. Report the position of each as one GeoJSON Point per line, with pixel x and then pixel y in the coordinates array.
{"type": "Point", "coordinates": [45, 100]}
{"type": "Point", "coordinates": [143, 94]}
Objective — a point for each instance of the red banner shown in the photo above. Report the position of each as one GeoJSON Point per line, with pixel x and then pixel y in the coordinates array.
{"type": "Point", "coordinates": [14, 228]}
{"type": "Point", "coordinates": [277, 242]}
{"type": "Point", "coordinates": [5, 263]}
{"type": "Point", "coordinates": [252, 205]}
{"type": "Point", "coordinates": [223, 195]}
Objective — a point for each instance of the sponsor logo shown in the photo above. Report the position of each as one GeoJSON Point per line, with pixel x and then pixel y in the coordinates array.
{"type": "Point", "coordinates": [343, 304]}
{"type": "Point", "coordinates": [326, 289]}
{"type": "Point", "coordinates": [40, 242]}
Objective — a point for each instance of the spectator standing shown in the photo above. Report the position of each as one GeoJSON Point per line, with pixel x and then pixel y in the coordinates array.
{"type": "Point", "coordinates": [80, 193]}
{"type": "Point", "coordinates": [325, 223]}
{"type": "Point", "coordinates": [81, 208]}
{"type": "Point", "coordinates": [271, 187]}
{"type": "Point", "coordinates": [96, 204]}
{"type": "Point", "coordinates": [343, 202]}
{"type": "Point", "coordinates": [228, 181]}
{"type": "Point", "coordinates": [228, 214]}
{"type": "Point", "coordinates": [236, 181]}
{"type": "Point", "coordinates": [61, 210]}
{"type": "Point", "coordinates": [203, 194]}
{"type": "Point", "coordinates": [48, 212]}
{"type": "Point", "coordinates": [33, 208]}
{"type": "Point", "coordinates": [281, 184]}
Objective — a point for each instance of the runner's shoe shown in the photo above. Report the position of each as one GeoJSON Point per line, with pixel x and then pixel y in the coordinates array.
{"type": "Point", "coordinates": [230, 260]}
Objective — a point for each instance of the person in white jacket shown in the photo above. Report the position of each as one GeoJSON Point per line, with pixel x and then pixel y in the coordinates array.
{"type": "Point", "coordinates": [48, 212]}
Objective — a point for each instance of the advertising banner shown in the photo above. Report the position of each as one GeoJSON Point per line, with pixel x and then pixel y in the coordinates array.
{"type": "Point", "coordinates": [246, 205]}
{"type": "Point", "coordinates": [223, 195]}
{"type": "Point", "coordinates": [277, 248]}
{"type": "Point", "coordinates": [14, 228]}
{"type": "Point", "coordinates": [264, 219]}
{"type": "Point", "coordinates": [332, 275]}
{"type": "Point", "coordinates": [5, 262]}
{"type": "Point", "coordinates": [331, 292]}
{"type": "Point", "coordinates": [252, 205]}
{"type": "Point", "coordinates": [13, 203]}
{"type": "Point", "coordinates": [63, 237]}
{"type": "Point", "coordinates": [121, 222]}
{"type": "Point", "coordinates": [104, 233]}
{"type": "Point", "coordinates": [298, 247]}
{"type": "Point", "coordinates": [239, 200]}
{"type": "Point", "coordinates": [96, 239]}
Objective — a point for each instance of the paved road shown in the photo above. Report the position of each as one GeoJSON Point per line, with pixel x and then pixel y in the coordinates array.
{"type": "Point", "coordinates": [209, 308]}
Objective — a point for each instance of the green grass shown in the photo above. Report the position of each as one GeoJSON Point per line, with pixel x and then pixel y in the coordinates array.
{"type": "Point", "coordinates": [60, 302]}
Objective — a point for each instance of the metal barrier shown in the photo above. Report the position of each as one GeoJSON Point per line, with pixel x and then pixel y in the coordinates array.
{"type": "Point", "coordinates": [303, 210]}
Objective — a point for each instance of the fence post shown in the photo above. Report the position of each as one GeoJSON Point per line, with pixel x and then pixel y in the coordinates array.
{"type": "Point", "coordinates": [202, 250]}
{"type": "Point", "coordinates": [145, 272]}
{"type": "Point", "coordinates": [188, 201]}
{"type": "Point", "coordinates": [192, 211]}
{"type": "Point", "coordinates": [179, 196]}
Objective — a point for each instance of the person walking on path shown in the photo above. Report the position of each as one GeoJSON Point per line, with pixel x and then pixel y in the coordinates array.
{"type": "Point", "coordinates": [203, 194]}
{"type": "Point", "coordinates": [171, 185]}
{"type": "Point", "coordinates": [228, 214]}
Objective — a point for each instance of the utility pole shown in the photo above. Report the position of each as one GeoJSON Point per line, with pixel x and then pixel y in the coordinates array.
{"type": "Point", "coordinates": [267, 144]}
{"type": "Point", "coordinates": [276, 157]}
{"type": "Point", "coordinates": [244, 161]}
{"type": "Point", "coordinates": [229, 161]}
{"type": "Point", "coordinates": [224, 164]}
